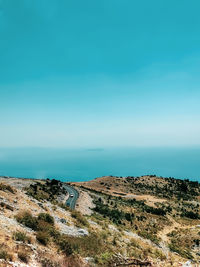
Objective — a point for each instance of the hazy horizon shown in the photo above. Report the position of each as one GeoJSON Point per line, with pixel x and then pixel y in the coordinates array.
{"type": "Point", "coordinates": [86, 164]}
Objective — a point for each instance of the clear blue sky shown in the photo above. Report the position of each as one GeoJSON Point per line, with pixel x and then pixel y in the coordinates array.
{"type": "Point", "coordinates": [99, 73]}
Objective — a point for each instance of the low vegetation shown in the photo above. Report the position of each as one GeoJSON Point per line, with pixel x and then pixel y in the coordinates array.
{"type": "Point", "coordinates": [24, 256]}
{"type": "Point", "coordinates": [133, 215]}
{"type": "Point", "coordinates": [21, 236]}
{"type": "Point", "coordinates": [80, 219]}
{"type": "Point", "coordinates": [48, 190]}
{"type": "Point", "coordinates": [5, 255]}
{"type": "Point", "coordinates": [27, 219]}
{"type": "Point", "coordinates": [165, 187]}
{"type": "Point", "coordinates": [123, 228]}
{"type": "Point", "coordinates": [46, 234]}
{"type": "Point", "coordinates": [43, 237]}
{"type": "Point", "coordinates": [6, 187]}
{"type": "Point", "coordinates": [150, 219]}
{"type": "Point", "coordinates": [183, 241]}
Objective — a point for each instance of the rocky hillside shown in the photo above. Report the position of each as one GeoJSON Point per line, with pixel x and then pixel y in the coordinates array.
{"type": "Point", "coordinates": [35, 225]}
{"type": "Point", "coordinates": [163, 212]}
{"type": "Point", "coordinates": [118, 221]}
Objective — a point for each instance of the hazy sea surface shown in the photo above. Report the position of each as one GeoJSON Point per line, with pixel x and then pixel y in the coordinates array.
{"type": "Point", "coordinates": [86, 164]}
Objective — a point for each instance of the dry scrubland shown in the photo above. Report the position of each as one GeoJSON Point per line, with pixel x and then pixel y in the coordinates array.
{"type": "Point", "coordinates": [132, 221]}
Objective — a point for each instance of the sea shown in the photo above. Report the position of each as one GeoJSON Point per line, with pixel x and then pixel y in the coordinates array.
{"type": "Point", "coordinates": [88, 163]}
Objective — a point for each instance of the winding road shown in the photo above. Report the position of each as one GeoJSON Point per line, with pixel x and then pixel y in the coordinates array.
{"type": "Point", "coordinates": [71, 201]}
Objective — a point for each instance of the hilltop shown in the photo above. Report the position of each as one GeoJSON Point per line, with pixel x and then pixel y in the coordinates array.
{"type": "Point", "coordinates": [118, 221]}
{"type": "Point", "coordinates": [148, 184]}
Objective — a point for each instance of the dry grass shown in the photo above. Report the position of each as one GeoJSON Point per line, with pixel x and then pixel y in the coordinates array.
{"type": "Point", "coordinates": [48, 260]}
{"type": "Point", "coordinates": [21, 236]}
{"type": "Point", "coordinates": [80, 219]}
{"type": "Point", "coordinates": [105, 238]}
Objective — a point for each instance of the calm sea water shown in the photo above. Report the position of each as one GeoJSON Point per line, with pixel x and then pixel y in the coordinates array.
{"type": "Point", "coordinates": [86, 164]}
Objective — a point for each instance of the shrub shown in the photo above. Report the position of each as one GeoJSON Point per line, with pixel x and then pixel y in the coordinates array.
{"type": "Point", "coordinates": [190, 215]}
{"type": "Point", "coordinates": [4, 255]}
{"type": "Point", "coordinates": [148, 235]}
{"type": "Point", "coordinates": [104, 258]}
{"type": "Point", "coordinates": [5, 187]}
{"type": "Point", "coordinates": [23, 256]}
{"type": "Point", "coordinates": [43, 237]}
{"type": "Point", "coordinates": [156, 211]}
{"type": "Point", "coordinates": [65, 247]}
{"type": "Point", "coordinates": [45, 262]}
{"type": "Point", "coordinates": [159, 254]}
{"type": "Point", "coordinates": [54, 233]}
{"type": "Point", "coordinates": [85, 245]}
{"type": "Point", "coordinates": [63, 206]}
{"type": "Point", "coordinates": [79, 217]}
{"type": "Point", "coordinates": [43, 226]}
{"type": "Point", "coordinates": [27, 219]}
{"type": "Point", "coordinates": [114, 214]}
{"type": "Point", "coordinates": [183, 252]}
{"type": "Point", "coordinates": [6, 206]}
{"type": "Point", "coordinates": [21, 236]}
{"type": "Point", "coordinates": [46, 191]}
{"type": "Point", "coordinates": [46, 217]}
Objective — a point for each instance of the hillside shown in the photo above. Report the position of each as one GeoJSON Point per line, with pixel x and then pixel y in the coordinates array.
{"type": "Point", "coordinates": [164, 211]}
{"type": "Point", "coordinates": [118, 221]}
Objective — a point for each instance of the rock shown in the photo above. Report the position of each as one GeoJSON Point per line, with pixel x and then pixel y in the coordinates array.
{"type": "Point", "coordinates": [72, 230]}
{"type": "Point", "coordinates": [83, 232]}
{"type": "Point", "coordinates": [92, 222]}
{"type": "Point", "coordinates": [187, 264]}
{"type": "Point", "coordinates": [62, 220]}
{"type": "Point", "coordinates": [113, 228]}
{"type": "Point", "coordinates": [88, 259]}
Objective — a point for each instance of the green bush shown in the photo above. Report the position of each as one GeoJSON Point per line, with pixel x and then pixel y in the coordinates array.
{"type": "Point", "coordinates": [5, 255]}
{"type": "Point", "coordinates": [148, 235]}
{"type": "Point", "coordinates": [43, 224]}
{"type": "Point", "coordinates": [5, 187]}
{"type": "Point", "coordinates": [46, 217]}
{"type": "Point", "coordinates": [21, 236]}
{"type": "Point", "coordinates": [190, 215]}
{"type": "Point", "coordinates": [46, 191]}
{"type": "Point", "coordinates": [54, 233]}
{"type": "Point", "coordinates": [27, 219]}
{"type": "Point", "coordinates": [43, 237]}
{"type": "Point", "coordinates": [113, 214]}
{"type": "Point", "coordinates": [65, 247]}
{"type": "Point", "coordinates": [79, 217]}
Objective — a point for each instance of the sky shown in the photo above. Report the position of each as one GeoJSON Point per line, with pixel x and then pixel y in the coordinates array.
{"type": "Point", "coordinates": [99, 73]}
